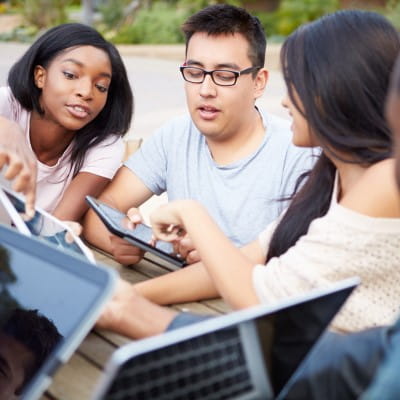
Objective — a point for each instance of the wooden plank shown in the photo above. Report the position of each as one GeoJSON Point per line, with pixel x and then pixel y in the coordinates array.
{"type": "Point", "coordinates": [75, 380]}
{"type": "Point", "coordinates": [96, 349]}
{"type": "Point", "coordinates": [113, 338]}
{"type": "Point", "coordinates": [218, 305]}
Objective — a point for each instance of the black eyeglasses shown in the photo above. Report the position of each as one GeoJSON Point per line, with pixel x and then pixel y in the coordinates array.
{"type": "Point", "coordinates": [221, 77]}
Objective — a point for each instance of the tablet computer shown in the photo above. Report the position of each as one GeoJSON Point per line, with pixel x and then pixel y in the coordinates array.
{"type": "Point", "coordinates": [43, 225]}
{"type": "Point", "coordinates": [140, 236]}
{"type": "Point", "coordinates": [49, 300]}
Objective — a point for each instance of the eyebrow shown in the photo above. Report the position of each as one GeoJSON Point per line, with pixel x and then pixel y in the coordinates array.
{"type": "Point", "coordinates": [217, 66]}
{"type": "Point", "coordinates": [81, 64]}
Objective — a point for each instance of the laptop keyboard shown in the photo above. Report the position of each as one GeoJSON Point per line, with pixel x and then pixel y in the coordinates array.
{"type": "Point", "coordinates": [211, 367]}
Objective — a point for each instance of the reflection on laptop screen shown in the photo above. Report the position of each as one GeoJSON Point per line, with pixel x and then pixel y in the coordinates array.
{"type": "Point", "coordinates": [45, 298]}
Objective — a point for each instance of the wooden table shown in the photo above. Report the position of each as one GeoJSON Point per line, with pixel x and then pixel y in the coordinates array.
{"type": "Point", "coordinates": [77, 379]}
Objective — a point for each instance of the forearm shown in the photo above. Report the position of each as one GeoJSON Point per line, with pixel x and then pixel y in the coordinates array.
{"type": "Point", "coordinates": [228, 267]}
{"type": "Point", "coordinates": [191, 283]}
{"type": "Point", "coordinates": [95, 232]}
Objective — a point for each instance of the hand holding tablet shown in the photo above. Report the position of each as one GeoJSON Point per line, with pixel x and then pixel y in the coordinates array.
{"type": "Point", "coordinates": [141, 236]}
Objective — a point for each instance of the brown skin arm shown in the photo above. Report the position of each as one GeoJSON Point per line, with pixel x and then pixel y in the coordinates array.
{"type": "Point", "coordinates": [125, 191]}
{"type": "Point", "coordinates": [73, 206]}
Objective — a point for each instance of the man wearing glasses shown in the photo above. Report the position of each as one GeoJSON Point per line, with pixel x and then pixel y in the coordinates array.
{"type": "Point", "coordinates": [228, 155]}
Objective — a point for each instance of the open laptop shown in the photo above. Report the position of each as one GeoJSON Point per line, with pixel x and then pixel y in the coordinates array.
{"type": "Point", "coordinates": [49, 300]}
{"type": "Point", "coordinates": [246, 355]}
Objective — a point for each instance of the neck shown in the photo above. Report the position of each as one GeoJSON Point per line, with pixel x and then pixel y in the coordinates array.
{"type": "Point", "coordinates": [349, 175]}
{"type": "Point", "coordinates": [240, 144]}
{"type": "Point", "coordinates": [48, 140]}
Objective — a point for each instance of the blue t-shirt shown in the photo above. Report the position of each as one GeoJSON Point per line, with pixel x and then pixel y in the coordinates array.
{"type": "Point", "coordinates": [241, 197]}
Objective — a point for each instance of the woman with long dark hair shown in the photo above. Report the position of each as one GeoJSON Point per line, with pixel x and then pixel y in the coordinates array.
{"type": "Point", "coordinates": [70, 100]}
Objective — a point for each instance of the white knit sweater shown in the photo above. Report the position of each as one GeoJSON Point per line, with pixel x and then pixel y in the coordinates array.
{"type": "Point", "coordinates": [339, 245]}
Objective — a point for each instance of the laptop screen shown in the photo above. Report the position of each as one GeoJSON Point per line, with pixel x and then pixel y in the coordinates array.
{"type": "Point", "coordinates": [46, 300]}
{"type": "Point", "coordinates": [287, 336]}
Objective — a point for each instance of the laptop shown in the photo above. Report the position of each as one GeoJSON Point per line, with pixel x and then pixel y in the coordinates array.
{"type": "Point", "coordinates": [247, 355]}
{"type": "Point", "coordinates": [49, 300]}
{"type": "Point", "coordinates": [43, 225]}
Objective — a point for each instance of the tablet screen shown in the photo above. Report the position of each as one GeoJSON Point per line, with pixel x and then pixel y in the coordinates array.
{"type": "Point", "coordinates": [47, 227]}
{"type": "Point", "coordinates": [45, 296]}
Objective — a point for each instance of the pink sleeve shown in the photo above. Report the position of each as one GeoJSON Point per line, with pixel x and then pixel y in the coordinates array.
{"type": "Point", "coordinates": [5, 103]}
{"type": "Point", "coordinates": [105, 158]}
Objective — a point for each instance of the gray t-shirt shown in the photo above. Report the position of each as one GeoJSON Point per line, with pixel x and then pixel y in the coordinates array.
{"type": "Point", "coordinates": [241, 197]}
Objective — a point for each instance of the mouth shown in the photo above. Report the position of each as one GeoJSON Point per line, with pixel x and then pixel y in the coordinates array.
{"type": "Point", "coordinates": [78, 110]}
{"type": "Point", "coordinates": [208, 112]}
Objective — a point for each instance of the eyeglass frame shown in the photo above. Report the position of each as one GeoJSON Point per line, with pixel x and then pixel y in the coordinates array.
{"type": "Point", "coordinates": [205, 73]}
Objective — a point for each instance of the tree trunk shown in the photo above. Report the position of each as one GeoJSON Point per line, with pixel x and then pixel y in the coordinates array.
{"type": "Point", "coordinates": [87, 7]}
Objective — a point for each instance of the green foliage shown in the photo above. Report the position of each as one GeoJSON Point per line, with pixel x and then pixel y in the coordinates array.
{"type": "Point", "coordinates": [158, 24]}
{"type": "Point", "coordinates": [112, 12]}
{"type": "Point", "coordinates": [293, 13]}
{"type": "Point", "coordinates": [45, 13]}
{"type": "Point", "coordinates": [393, 12]}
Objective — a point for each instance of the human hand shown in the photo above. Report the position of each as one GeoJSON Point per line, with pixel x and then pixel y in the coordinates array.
{"type": "Point", "coordinates": [115, 310]}
{"type": "Point", "coordinates": [76, 229]}
{"type": "Point", "coordinates": [124, 252]}
{"type": "Point", "coordinates": [167, 223]}
{"type": "Point", "coordinates": [185, 248]}
{"type": "Point", "coordinates": [20, 161]}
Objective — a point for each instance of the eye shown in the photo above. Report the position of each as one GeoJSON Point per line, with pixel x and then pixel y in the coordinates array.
{"type": "Point", "coordinates": [223, 75]}
{"type": "Point", "coordinates": [194, 72]}
{"type": "Point", "coordinates": [69, 75]}
{"type": "Point", "coordinates": [101, 88]}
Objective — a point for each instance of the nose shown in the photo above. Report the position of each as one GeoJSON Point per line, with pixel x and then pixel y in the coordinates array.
{"type": "Point", "coordinates": [207, 87]}
{"type": "Point", "coordinates": [84, 88]}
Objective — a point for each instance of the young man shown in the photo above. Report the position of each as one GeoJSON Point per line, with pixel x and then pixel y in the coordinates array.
{"type": "Point", "coordinates": [228, 155]}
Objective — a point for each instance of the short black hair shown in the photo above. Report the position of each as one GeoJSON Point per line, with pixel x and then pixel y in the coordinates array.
{"type": "Point", "coordinates": [115, 117]}
{"type": "Point", "coordinates": [225, 19]}
{"type": "Point", "coordinates": [36, 332]}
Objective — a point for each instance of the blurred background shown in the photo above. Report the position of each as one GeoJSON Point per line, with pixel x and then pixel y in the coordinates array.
{"type": "Point", "coordinates": [147, 34]}
{"type": "Point", "coordinates": [158, 21]}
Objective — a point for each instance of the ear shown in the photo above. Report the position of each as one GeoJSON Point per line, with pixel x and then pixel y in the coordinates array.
{"type": "Point", "coordinates": [260, 82]}
{"type": "Point", "coordinates": [39, 76]}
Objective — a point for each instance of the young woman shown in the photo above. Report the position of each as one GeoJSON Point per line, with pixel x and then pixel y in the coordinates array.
{"type": "Point", "coordinates": [345, 219]}
{"type": "Point", "coordinates": [70, 98]}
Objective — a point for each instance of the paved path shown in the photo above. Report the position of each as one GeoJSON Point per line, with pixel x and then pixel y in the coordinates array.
{"type": "Point", "coordinates": [157, 84]}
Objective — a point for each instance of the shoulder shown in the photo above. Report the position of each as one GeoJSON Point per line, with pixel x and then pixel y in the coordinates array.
{"type": "Point", "coordinates": [9, 106]}
{"type": "Point", "coordinates": [111, 147]}
{"type": "Point", "coordinates": [279, 142]}
{"type": "Point", "coordinates": [172, 136]}
{"type": "Point", "coordinates": [376, 193]}
{"type": "Point", "coordinates": [176, 126]}
{"type": "Point", "coordinates": [275, 125]}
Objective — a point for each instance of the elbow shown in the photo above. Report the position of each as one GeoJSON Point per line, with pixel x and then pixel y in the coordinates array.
{"type": "Point", "coordinates": [247, 300]}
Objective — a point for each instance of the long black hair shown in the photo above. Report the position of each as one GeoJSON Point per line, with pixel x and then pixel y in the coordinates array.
{"type": "Point", "coordinates": [114, 118]}
{"type": "Point", "coordinates": [339, 66]}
